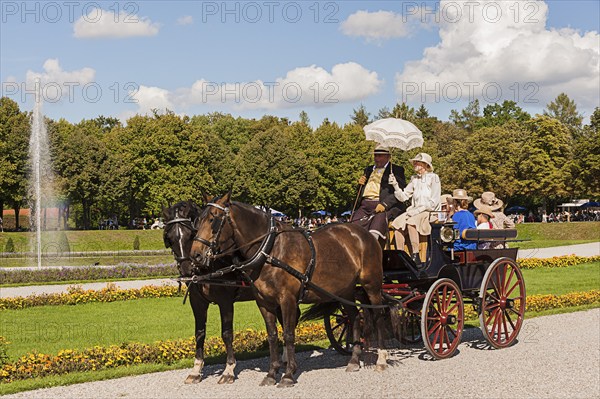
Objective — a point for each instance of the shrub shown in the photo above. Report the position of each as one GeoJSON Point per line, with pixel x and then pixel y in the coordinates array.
{"type": "Point", "coordinates": [63, 242]}
{"type": "Point", "coordinates": [10, 245]}
{"type": "Point", "coordinates": [136, 243]}
{"type": "Point", "coordinates": [86, 273]}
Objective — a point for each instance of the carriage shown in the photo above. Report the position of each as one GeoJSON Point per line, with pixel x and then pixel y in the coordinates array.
{"type": "Point", "coordinates": [432, 297]}
{"type": "Point", "coordinates": [341, 268]}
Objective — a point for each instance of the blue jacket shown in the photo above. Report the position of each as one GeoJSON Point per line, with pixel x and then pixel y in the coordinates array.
{"type": "Point", "coordinates": [464, 220]}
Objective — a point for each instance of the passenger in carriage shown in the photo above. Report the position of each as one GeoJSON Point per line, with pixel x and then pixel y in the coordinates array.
{"type": "Point", "coordinates": [424, 189]}
{"type": "Point", "coordinates": [463, 219]}
{"type": "Point", "coordinates": [484, 214]}
{"type": "Point", "coordinates": [500, 220]}
{"type": "Point", "coordinates": [378, 201]}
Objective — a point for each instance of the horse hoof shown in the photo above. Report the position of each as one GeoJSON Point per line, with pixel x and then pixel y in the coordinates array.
{"type": "Point", "coordinates": [381, 367]}
{"type": "Point", "coordinates": [226, 379]}
{"type": "Point", "coordinates": [268, 381]}
{"type": "Point", "coordinates": [352, 367]}
{"type": "Point", "coordinates": [286, 382]}
{"type": "Point", "coordinates": [193, 379]}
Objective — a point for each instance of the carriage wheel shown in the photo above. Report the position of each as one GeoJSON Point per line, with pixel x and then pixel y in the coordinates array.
{"type": "Point", "coordinates": [442, 318]}
{"type": "Point", "coordinates": [339, 331]}
{"type": "Point", "coordinates": [411, 328]}
{"type": "Point", "coordinates": [502, 303]}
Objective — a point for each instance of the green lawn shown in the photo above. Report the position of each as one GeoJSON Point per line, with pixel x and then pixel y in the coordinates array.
{"type": "Point", "coordinates": [89, 260]}
{"type": "Point", "coordinates": [559, 281]}
{"type": "Point", "coordinates": [544, 235]}
{"type": "Point", "coordinates": [48, 329]}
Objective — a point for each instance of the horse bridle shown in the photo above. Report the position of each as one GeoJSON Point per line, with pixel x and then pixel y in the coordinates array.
{"type": "Point", "coordinates": [187, 223]}
{"type": "Point", "coordinates": [213, 246]}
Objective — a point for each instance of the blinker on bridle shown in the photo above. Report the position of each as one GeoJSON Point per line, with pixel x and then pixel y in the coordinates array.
{"type": "Point", "coordinates": [217, 228]}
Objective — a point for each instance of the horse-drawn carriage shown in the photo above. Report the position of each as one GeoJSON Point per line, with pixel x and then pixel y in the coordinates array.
{"type": "Point", "coordinates": [247, 254]}
{"type": "Point", "coordinates": [432, 296]}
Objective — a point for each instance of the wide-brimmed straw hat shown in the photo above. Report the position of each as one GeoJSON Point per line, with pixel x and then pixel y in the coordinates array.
{"type": "Point", "coordinates": [381, 150]}
{"type": "Point", "coordinates": [488, 198]}
{"type": "Point", "coordinates": [486, 210]}
{"type": "Point", "coordinates": [460, 194]}
{"type": "Point", "coordinates": [444, 199]}
{"type": "Point", "coordinates": [423, 157]}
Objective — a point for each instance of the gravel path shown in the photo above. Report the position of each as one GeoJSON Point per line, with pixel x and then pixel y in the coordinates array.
{"type": "Point", "coordinates": [557, 357]}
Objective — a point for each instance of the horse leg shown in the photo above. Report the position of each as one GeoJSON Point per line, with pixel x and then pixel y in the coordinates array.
{"type": "Point", "coordinates": [290, 320]}
{"type": "Point", "coordinates": [284, 358]}
{"type": "Point", "coordinates": [226, 310]}
{"type": "Point", "coordinates": [376, 299]}
{"type": "Point", "coordinates": [271, 324]}
{"type": "Point", "coordinates": [354, 363]}
{"type": "Point", "coordinates": [200, 308]}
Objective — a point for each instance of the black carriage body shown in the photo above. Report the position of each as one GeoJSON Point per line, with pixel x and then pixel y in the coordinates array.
{"type": "Point", "coordinates": [466, 267]}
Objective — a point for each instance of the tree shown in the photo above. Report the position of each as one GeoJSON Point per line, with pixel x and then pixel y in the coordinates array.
{"type": "Point", "coordinates": [14, 145]}
{"type": "Point", "coordinates": [565, 110]}
{"type": "Point", "coordinates": [340, 156]}
{"type": "Point", "coordinates": [79, 156]}
{"type": "Point", "coordinates": [403, 111]}
{"type": "Point", "coordinates": [545, 161]}
{"type": "Point", "coordinates": [383, 113]}
{"type": "Point", "coordinates": [467, 119]}
{"type": "Point", "coordinates": [585, 173]}
{"type": "Point", "coordinates": [304, 118]}
{"type": "Point", "coordinates": [360, 116]}
{"type": "Point", "coordinates": [273, 170]}
{"type": "Point", "coordinates": [422, 112]}
{"type": "Point", "coordinates": [498, 115]}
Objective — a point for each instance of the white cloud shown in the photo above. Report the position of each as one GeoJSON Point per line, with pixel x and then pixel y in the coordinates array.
{"type": "Point", "coordinates": [375, 26]}
{"type": "Point", "coordinates": [185, 20]}
{"type": "Point", "coordinates": [303, 86]}
{"type": "Point", "coordinates": [55, 83]}
{"type": "Point", "coordinates": [511, 49]}
{"type": "Point", "coordinates": [99, 23]}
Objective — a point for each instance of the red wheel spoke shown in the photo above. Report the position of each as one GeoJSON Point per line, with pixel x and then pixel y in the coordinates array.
{"type": "Point", "coordinates": [504, 324]}
{"type": "Point", "coordinates": [492, 306]}
{"type": "Point", "coordinates": [454, 332]}
{"type": "Point", "coordinates": [435, 327]}
{"type": "Point", "coordinates": [439, 303]}
{"type": "Point", "coordinates": [435, 337]}
{"type": "Point", "coordinates": [510, 322]}
{"type": "Point", "coordinates": [449, 301]}
{"type": "Point", "coordinates": [445, 296]}
{"type": "Point", "coordinates": [453, 307]}
{"type": "Point", "coordinates": [502, 280]}
{"type": "Point", "coordinates": [517, 283]}
{"type": "Point", "coordinates": [512, 273]}
{"type": "Point", "coordinates": [342, 334]}
{"type": "Point", "coordinates": [442, 340]}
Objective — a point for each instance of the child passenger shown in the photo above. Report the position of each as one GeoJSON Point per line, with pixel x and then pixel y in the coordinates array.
{"type": "Point", "coordinates": [484, 215]}
{"type": "Point", "coordinates": [463, 219]}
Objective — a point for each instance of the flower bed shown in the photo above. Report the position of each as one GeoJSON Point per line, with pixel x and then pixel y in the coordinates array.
{"type": "Point", "coordinates": [77, 295]}
{"type": "Point", "coordinates": [123, 271]}
{"type": "Point", "coordinates": [36, 364]}
{"type": "Point", "coordinates": [557, 261]}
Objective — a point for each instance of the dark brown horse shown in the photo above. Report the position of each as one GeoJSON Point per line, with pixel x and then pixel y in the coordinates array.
{"type": "Point", "coordinates": [178, 235]}
{"type": "Point", "coordinates": [344, 255]}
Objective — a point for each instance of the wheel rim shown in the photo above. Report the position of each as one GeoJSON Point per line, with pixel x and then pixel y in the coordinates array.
{"type": "Point", "coordinates": [411, 329]}
{"type": "Point", "coordinates": [502, 303]}
{"type": "Point", "coordinates": [339, 331]}
{"type": "Point", "coordinates": [442, 319]}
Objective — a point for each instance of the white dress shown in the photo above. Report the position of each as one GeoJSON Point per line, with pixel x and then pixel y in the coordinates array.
{"type": "Point", "coordinates": [425, 191]}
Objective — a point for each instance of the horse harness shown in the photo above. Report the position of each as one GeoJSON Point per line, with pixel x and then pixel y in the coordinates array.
{"type": "Point", "coordinates": [261, 256]}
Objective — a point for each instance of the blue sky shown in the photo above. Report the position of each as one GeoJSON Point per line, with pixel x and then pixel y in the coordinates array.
{"type": "Point", "coordinates": [272, 57]}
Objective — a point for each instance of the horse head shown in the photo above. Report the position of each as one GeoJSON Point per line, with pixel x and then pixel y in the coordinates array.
{"type": "Point", "coordinates": [214, 233]}
{"type": "Point", "coordinates": [179, 233]}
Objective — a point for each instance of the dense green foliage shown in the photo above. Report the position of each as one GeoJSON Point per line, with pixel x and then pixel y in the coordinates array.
{"type": "Point", "coordinates": [104, 167]}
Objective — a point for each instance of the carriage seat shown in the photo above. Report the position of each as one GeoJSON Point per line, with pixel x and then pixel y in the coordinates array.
{"type": "Point", "coordinates": [423, 240]}
{"type": "Point", "coordinates": [489, 235]}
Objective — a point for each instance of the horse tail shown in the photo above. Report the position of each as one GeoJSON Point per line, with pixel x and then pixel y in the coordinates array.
{"type": "Point", "coordinates": [319, 311]}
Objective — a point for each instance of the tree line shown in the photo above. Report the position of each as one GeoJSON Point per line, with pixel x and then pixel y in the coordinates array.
{"type": "Point", "coordinates": [103, 167]}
